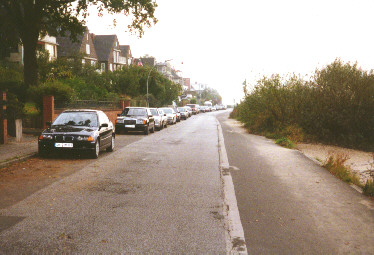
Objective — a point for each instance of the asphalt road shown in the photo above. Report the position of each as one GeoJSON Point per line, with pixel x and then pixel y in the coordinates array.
{"type": "Point", "coordinates": [162, 193]}
{"type": "Point", "coordinates": [159, 194]}
{"type": "Point", "coordinates": [290, 205]}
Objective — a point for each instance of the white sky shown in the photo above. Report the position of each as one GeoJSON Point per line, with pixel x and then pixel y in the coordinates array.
{"type": "Point", "coordinates": [222, 43]}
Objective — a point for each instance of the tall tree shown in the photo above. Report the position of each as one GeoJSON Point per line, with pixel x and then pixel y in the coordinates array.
{"type": "Point", "coordinates": [33, 18]}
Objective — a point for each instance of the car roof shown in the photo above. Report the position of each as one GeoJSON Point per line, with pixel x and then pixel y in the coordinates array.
{"type": "Point", "coordinates": [81, 110]}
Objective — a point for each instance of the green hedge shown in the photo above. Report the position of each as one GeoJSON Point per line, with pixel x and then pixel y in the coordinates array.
{"type": "Point", "coordinates": [336, 106]}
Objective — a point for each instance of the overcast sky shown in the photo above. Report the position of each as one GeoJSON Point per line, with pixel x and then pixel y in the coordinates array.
{"type": "Point", "coordinates": [221, 43]}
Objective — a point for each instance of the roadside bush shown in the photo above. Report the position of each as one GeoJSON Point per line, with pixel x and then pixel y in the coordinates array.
{"type": "Point", "coordinates": [61, 91]}
{"type": "Point", "coordinates": [368, 189]}
{"type": "Point", "coordinates": [335, 165]}
{"type": "Point", "coordinates": [335, 107]}
{"type": "Point", "coordinates": [285, 142]}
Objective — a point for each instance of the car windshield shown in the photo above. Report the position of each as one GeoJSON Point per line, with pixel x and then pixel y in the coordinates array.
{"type": "Point", "coordinates": [86, 119]}
{"type": "Point", "coordinates": [181, 109]}
{"type": "Point", "coordinates": [167, 110]}
{"type": "Point", "coordinates": [154, 112]}
{"type": "Point", "coordinates": [134, 112]}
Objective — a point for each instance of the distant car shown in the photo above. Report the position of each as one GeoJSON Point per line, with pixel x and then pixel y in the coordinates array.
{"type": "Point", "coordinates": [194, 108]}
{"type": "Point", "coordinates": [189, 110]}
{"type": "Point", "coordinates": [136, 119]}
{"type": "Point", "coordinates": [171, 115]}
{"type": "Point", "coordinates": [78, 130]}
{"type": "Point", "coordinates": [177, 112]}
{"type": "Point", "coordinates": [203, 108]}
{"type": "Point", "coordinates": [160, 119]}
{"type": "Point", "coordinates": [184, 112]}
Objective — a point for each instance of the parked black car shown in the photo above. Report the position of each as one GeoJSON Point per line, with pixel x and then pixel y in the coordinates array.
{"type": "Point", "coordinates": [136, 119]}
{"type": "Point", "coordinates": [78, 130]}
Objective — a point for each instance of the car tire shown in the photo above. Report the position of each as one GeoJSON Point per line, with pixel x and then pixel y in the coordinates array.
{"type": "Point", "coordinates": [111, 147]}
{"type": "Point", "coordinates": [96, 151]}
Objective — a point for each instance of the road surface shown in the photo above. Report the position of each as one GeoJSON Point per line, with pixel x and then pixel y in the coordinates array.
{"type": "Point", "coordinates": [170, 192]}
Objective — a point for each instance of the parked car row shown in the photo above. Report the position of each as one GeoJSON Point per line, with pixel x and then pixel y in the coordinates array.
{"type": "Point", "coordinates": [91, 131]}
{"type": "Point", "coordinates": [205, 108]}
{"type": "Point", "coordinates": [150, 119]}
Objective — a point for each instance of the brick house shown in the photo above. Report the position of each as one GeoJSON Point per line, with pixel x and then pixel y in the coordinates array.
{"type": "Point", "coordinates": [108, 52]}
{"type": "Point", "coordinates": [47, 43]}
{"type": "Point", "coordinates": [126, 53]}
{"type": "Point", "coordinates": [84, 45]}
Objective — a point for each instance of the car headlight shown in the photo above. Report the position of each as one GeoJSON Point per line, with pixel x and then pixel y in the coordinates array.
{"type": "Point", "coordinates": [140, 121]}
{"type": "Point", "coordinates": [46, 137]}
{"type": "Point", "coordinates": [85, 138]}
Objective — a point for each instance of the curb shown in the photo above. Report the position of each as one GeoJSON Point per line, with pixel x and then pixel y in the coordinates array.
{"type": "Point", "coordinates": [235, 241]}
{"type": "Point", "coordinates": [17, 159]}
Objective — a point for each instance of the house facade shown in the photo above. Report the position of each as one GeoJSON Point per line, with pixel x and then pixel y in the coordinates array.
{"type": "Point", "coordinates": [47, 43]}
{"type": "Point", "coordinates": [108, 52]}
{"type": "Point", "coordinates": [126, 53]}
{"type": "Point", "coordinates": [84, 45]}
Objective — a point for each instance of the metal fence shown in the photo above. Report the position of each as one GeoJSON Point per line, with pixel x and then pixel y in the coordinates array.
{"type": "Point", "coordinates": [86, 104]}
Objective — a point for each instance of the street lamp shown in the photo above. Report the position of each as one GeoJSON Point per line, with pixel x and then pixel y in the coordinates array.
{"type": "Point", "coordinates": [149, 73]}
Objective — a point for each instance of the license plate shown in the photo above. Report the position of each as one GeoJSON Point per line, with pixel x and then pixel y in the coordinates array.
{"type": "Point", "coordinates": [130, 126]}
{"type": "Point", "coordinates": [119, 121]}
{"type": "Point", "coordinates": [63, 145]}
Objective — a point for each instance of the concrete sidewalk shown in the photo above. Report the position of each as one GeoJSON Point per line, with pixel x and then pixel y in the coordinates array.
{"type": "Point", "coordinates": [16, 151]}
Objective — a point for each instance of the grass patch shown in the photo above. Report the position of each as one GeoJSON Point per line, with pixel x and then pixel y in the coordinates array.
{"type": "Point", "coordinates": [335, 165]}
{"type": "Point", "coordinates": [368, 188]}
{"type": "Point", "coordinates": [285, 142]}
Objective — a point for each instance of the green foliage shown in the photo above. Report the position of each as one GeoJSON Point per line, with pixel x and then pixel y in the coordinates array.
{"type": "Point", "coordinates": [193, 101]}
{"type": "Point", "coordinates": [210, 94]}
{"type": "Point", "coordinates": [61, 91]}
{"type": "Point", "coordinates": [368, 188]}
{"type": "Point", "coordinates": [285, 142]}
{"type": "Point", "coordinates": [335, 165]}
{"type": "Point", "coordinates": [336, 107]}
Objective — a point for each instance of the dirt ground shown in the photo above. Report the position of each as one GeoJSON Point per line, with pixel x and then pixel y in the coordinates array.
{"type": "Point", "coordinates": [358, 161]}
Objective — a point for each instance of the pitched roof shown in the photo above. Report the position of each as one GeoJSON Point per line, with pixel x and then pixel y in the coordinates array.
{"type": "Point", "coordinates": [125, 50]}
{"type": "Point", "coordinates": [103, 46]}
{"type": "Point", "coordinates": [66, 47]}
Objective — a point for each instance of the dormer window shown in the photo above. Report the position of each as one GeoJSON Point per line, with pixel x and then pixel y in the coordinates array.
{"type": "Point", "coordinates": [87, 49]}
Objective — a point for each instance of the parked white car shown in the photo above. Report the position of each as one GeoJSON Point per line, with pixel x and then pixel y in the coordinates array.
{"type": "Point", "coordinates": [160, 118]}
{"type": "Point", "coordinates": [170, 114]}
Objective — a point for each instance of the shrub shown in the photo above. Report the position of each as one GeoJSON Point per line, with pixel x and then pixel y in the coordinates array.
{"type": "Point", "coordinates": [61, 91]}
{"type": "Point", "coordinates": [335, 165]}
{"type": "Point", "coordinates": [285, 142]}
{"type": "Point", "coordinates": [368, 189]}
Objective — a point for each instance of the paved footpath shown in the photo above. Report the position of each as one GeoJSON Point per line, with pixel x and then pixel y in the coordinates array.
{"type": "Point", "coordinates": [15, 151]}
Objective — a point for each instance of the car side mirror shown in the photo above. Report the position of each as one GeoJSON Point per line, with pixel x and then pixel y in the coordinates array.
{"type": "Point", "coordinates": [104, 125]}
{"type": "Point", "coordinates": [119, 114]}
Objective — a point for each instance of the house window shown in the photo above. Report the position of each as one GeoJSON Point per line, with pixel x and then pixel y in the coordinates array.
{"type": "Point", "coordinates": [93, 62]}
{"type": "Point", "coordinates": [102, 67]}
{"type": "Point", "coordinates": [88, 49]}
{"type": "Point", "coordinates": [83, 61]}
{"type": "Point", "coordinates": [115, 57]}
{"type": "Point", "coordinates": [111, 67]}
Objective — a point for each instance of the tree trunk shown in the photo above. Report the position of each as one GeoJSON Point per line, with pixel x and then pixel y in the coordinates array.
{"type": "Point", "coordinates": [30, 64]}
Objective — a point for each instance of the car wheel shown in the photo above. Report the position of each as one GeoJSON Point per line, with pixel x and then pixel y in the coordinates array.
{"type": "Point", "coordinates": [111, 147]}
{"type": "Point", "coordinates": [95, 153]}
{"type": "Point", "coordinates": [146, 130]}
